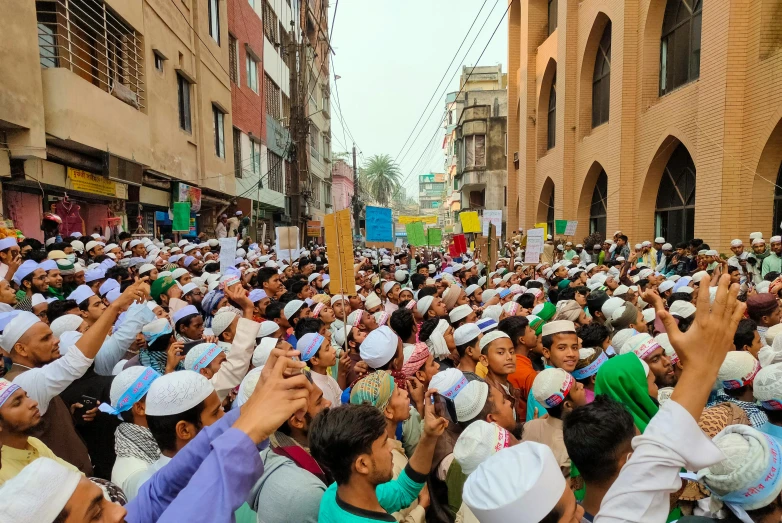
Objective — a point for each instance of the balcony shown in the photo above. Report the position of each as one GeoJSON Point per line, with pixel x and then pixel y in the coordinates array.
{"type": "Point", "coordinates": [473, 180]}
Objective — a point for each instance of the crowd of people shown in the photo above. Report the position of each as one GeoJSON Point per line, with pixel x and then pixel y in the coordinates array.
{"type": "Point", "coordinates": [143, 384]}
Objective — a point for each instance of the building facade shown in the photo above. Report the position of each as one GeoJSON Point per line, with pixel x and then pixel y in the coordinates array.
{"type": "Point", "coordinates": [656, 117]}
{"type": "Point", "coordinates": [431, 191]}
{"type": "Point", "coordinates": [475, 139]}
{"type": "Point", "coordinates": [112, 109]}
{"type": "Point", "coordinates": [342, 185]}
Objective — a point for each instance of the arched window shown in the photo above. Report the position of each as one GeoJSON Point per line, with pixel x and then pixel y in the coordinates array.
{"type": "Point", "coordinates": [552, 115]}
{"type": "Point", "coordinates": [680, 47]}
{"type": "Point", "coordinates": [552, 15]}
{"type": "Point", "coordinates": [601, 79]}
{"type": "Point", "coordinates": [550, 214]}
{"type": "Point", "coordinates": [675, 209]}
{"type": "Point", "coordinates": [777, 203]}
{"type": "Point", "coordinates": [597, 211]}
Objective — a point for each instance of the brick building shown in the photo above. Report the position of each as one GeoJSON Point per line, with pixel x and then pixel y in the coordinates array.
{"type": "Point", "coordinates": [656, 117]}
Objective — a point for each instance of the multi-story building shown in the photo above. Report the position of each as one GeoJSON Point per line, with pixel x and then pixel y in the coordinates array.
{"type": "Point", "coordinates": [475, 136]}
{"type": "Point", "coordinates": [342, 183]}
{"type": "Point", "coordinates": [316, 33]}
{"type": "Point", "coordinates": [263, 51]}
{"type": "Point", "coordinates": [431, 189]}
{"type": "Point", "coordinates": [657, 117]}
{"type": "Point", "coordinates": [110, 109]}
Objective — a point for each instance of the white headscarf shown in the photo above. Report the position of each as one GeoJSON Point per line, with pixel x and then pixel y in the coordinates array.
{"type": "Point", "coordinates": [436, 341]}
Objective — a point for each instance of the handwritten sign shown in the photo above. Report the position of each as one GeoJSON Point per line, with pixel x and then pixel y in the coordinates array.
{"type": "Point", "coordinates": [287, 244]}
{"type": "Point", "coordinates": [227, 252]}
{"type": "Point", "coordinates": [380, 224]}
{"type": "Point", "coordinates": [570, 229]}
{"type": "Point", "coordinates": [339, 248]}
{"type": "Point", "coordinates": [434, 237]}
{"type": "Point", "coordinates": [494, 217]}
{"type": "Point", "coordinates": [470, 221]}
{"type": "Point", "coordinates": [535, 240]}
{"type": "Point", "coordinates": [543, 226]}
{"type": "Point", "coordinates": [429, 220]}
{"type": "Point", "coordinates": [415, 234]}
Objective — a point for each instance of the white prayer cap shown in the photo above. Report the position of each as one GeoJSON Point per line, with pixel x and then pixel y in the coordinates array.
{"type": "Point", "coordinates": [379, 347]}
{"type": "Point", "coordinates": [491, 336]}
{"type": "Point", "coordinates": [201, 356]}
{"type": "Point", "coordinates": [184, 312]}
{"type": "Point", "coordinates": [686, 289]}
{"type": "Point", "coordinates": [665, 343]}
{"type": "Point", "coordinates": [638, 246]}
{"type": "Point", "coordinates": [178, 273]}
{"type": "Point", "coordinates": [682, 309]}
{"type": "Point", "coordinates": [667, 247]}
{"type": "Point", "coordinates": [136, 377]}
{"type": "Point", "coordinates": [77, 245]}
{"type": "Point", "coordinates": [459, 313]}
{"type": "Point", "coordinates": [488, 294]}
{"type": "Point", "coordinates": [621, 337]}
{"type": "Point", "coordinates": [81, 293]}
{"type": "Point", "coordinates": [555, 327]}
{"type": "Point", "coordinates": [611, 305]}
{"type": "Point", "coordinates": [292, 307]}
{"type": "Point", "coordinates": [755, 235]}
{"type": "Point", "coordinates": [645, 273]}
{"type": "Point", "coordinates": [66, 322]}
{"type": "Point", "coordinates": [48, 265]}
{"type": "Point", "coordinates": [471, 400]}
{"type": "Point", "coordinates": [551, 387]}
{"type": "Point", "coordinates": [182, 243]}
{"type": "Point", "coordinates": [642, 344]}
{"type": "Point", "coordinates": [773, 332]}
{"type": "Point", "coordinates": [767, 386]}
{"type": "Point", "coordinates": [712, 252]}
{"type": "Point", "coordinates": [24, 270]}
{"type": "Point", "coordinates": [91, 245]}
{"type": "Point", "coordinates": [622, 289]}
{"type": "Point", "coordinates": [248, 386]}
{"type": "Point", "coordinates": [466, 333]}
{"type": "Point", "coordinates": [648, 314]}
{"type": "Point", "coordinates": [449, 382]}
{"type": "Point", "coordinates": [736, 243]}
{"type": "Point", "coordinates": [775, 239]}
{"type": "Point", "coordinates": [423, 304]}
{"type": "Point", "coordinates": [659, 239]}
{"type": "Point", "coordinates": [479, 441]}
{"type": "Point", "coordinates": [147, 267]}
{"type": "Point", "coordinates": [492, 311]}
{"type": "Point", "coordinates": [37, 299]}
{"type": "Point", "coordinates": [94, 275]}
{"type": "Point", "coordinates": [738, 369]}
{"type": "Point", "coordinates": [758, 241]}
{"type": "Point", "coordinates": [373, 300]}
{"type": "Point", "coordinates": [263, 351]}
{"type": "Point", "coordinates": [666, 286]}
{"type": "Point", "coordinates": [338, 297]}
{"type": "Point", "coordinates": [7, 243]}
{"type": "Point", "coordinates": [223, 320]}
{"type": "Point", "coordinates": [38, 493]}
{"type": "Point", "coordinates": [481, 281]}
{"type": "Point", "coordinates": [341, 333]}
{"type": "Point", "coordinates": [750, 475]}
{"type": "Point", "coordinates": [763, 287]}
{"type": "Point", "coordinates": [522, 484]}
{"type": "Point", "coordinates": [387, 286]}
{"type": "Point", "coordinates": [400, 275]}
{"type": "Point", "coordinates": [212, 242]}
{"type": "Point", "coordinates": [108, 285]}
{"type": "Point", "coordinates": [177, 392]}
{"type": "Point", "coordinates": [188, 248]}
{"type": "Point", "coordinates": [470, 289]}
{"type": "Point", "coordinates": [190, 287]}
{"type": "Point", "coordinates": [267, 328]}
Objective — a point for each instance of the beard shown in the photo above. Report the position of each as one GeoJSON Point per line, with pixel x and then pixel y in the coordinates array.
{"type": "Point", "coordinates": [380, 476]}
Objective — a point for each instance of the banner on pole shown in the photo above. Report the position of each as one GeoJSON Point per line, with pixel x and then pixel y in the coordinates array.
{"type": "Point", "coordinates": [380, 224]}
{"type": "Point", "coordinates": [494, 217]}
{"type": "Point", "coordinates": [287, 245]}
{"type": "Point", "coordinates": [339, 249]}
{"type": "Point", "coordinates": [535, 240]}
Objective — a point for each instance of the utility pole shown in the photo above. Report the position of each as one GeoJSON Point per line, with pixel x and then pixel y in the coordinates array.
{"type": "Point", "coordinates": [356, 196]}
{"type": "Point", "coordinates": [299, 127]}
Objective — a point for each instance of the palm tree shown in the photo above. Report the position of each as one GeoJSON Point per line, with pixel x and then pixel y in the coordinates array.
{"type": "Point", "coordinates": [383, 175]}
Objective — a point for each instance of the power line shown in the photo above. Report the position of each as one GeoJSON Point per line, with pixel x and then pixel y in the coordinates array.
{"type": "Point", "coordinates": [434, 93]}
{"type": "Point", "coordinates": [465, 82]}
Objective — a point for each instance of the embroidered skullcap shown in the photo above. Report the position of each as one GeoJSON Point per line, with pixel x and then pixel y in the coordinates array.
{"type": "Point", "coordinates": [471, 400]}
{"type": "Point", "coordinates": [129, 386]}
{"type": "Point", "coordinates": [466, 333]}
{"type": "Point", "coordinates": [200, 356]}
{"type": "Point", "coordinates": [682, 309]}
{"type": "Point", "coordinates": [373, 300]}
{"type": "Point", "coordinates": [292, 307]}
{"type": "Point", "coordinates": [66, 322]}
{"type": "Point", "coordinates": [39, 492]}
{"type": "Point", "coordinates": [184, 312]}
{"type": "Point", "coordinates": [551, 387]}
{"type": "Point", "coordinates": [448, 382]}
{"type": "Point", "coordinates": [223, 319]}
{"type": "Point", "coordinates": [177, 392]}
{"type": "Point", "coordinates": [490, 337]}
{"type": "Point", "coordinates": [375, 388]}
{"type": "Point", "coordinates": [416, 359]}
{"type": "Point", "coordinates": [738, 369]}
{"type": "Point", "coordinates": [263, 351]}
{"type": "Point", "coordinates": [459, 313]}
{"type": "Point", "coordinates": [354, 318]}
{"type": "Point", "coordinates": [641, 344]}
{"type": "Point", "coordinates": [379, 347]}
{"type": "Point", "coordinates": [309, 345]}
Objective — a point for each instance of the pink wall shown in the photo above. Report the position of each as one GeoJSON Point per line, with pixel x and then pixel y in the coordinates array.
{"type": "Point", "coordinates": [341, 192]}
{"type": "Point", "coordinates": [26, 212]}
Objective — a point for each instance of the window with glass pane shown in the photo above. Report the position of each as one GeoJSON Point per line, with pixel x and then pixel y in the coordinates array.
{"type": "Point", "coordinates": [675, 207]}
{"type": "Point", "coordinates": [550, 214]}
{"type": "Point", "coordinates": [551, 138]}
{"type": "Point", "coordinates": [213, 13]}
{"type": "Point", "coordinates": [597, 210]}
{"type": "Point", "coordinates": [252, 73]}
{"type": "Point", "coordinates": [219, 130]}
{"type": "Point", "coordinates": [601, 80]}
{"type": "Point", "coordinates": [552, 15]}
{"type": "Point", "coordinates": [237, 139]}
{"type": "Point", "coordinates": [680, 46]}
{"type": "Point", "coordinates": [274, 165]}
{"type": "Point", "coordinates": [233, 59]}
{"type": "Point", "coordinates": [183, 91]}
{"type": "Point", "coordinates": [777, 203]}
{"type": "Point", "coordinates": [256, 157]}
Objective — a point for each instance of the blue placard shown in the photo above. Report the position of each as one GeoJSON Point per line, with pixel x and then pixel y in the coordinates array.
{"type": "Point", "coordinates": [380, 224]}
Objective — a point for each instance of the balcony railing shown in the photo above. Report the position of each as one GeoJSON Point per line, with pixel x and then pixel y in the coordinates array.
{"type": "Point", "coordinates": [86, 37]}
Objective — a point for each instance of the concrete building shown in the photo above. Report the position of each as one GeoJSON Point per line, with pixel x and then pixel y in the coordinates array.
{"type": "Point", "coordinates": [122, 105]}
{"type": "Point", "coordinates": [316, 33]}
{"type": "Point", "coordinates": [431, 192]}
{"type": "Point", "coordinates": [261, 35]}
{"type": "Point", "coordinates": [474, 143]}
{"type": "Point", "coordinates": [656, 117]}
{"type": "Point", "coordinates": [342, 185]}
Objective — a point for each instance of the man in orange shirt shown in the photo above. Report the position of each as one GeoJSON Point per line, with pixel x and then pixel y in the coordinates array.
{"type": "Point", "coordinates": [525, 337]}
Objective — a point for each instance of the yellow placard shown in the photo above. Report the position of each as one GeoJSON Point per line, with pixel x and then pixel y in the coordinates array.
{"type": "Point", "coordinates": [404, 220]}
{"type": "Point", "coordinates": [543, 226]}
{"type": "Point", "coordinates": [339, 249]}
{"type": "Point", "coordinates": [470, 221]}
{"type": "Point", "coordinates": [92, 183]}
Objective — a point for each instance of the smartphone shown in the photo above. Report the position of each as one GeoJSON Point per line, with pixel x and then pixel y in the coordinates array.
{"type": "Point", "coordinates": [190, 344]}
{"type": "Point", "coordinates": [444, 407]}
{"type": "Point", "coordinates": [88, 403]}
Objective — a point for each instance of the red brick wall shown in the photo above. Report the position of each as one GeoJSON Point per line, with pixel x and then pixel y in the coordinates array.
{"type": "Point", "coordinates": [247, 107]}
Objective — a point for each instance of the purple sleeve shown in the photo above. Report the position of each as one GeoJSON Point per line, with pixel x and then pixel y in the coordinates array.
{"type": "Point", "coordinates": [222, 483]}
{"type": "Point", "coordinates": [159, 492]}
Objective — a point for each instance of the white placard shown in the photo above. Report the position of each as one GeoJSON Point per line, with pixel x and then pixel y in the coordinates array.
{"type": "Point", "coordinates": [227, 253]}
{"type": "Point", "coordinates": [399, 243]}
{"type": "Point", "coordinates": [534, 248]}
{"type": "Point", "coordinates": [494, 217]}
{"type": "Point", "coordinates": [287, 237]}
{"type": "Point", "coordinates": [570, 229]}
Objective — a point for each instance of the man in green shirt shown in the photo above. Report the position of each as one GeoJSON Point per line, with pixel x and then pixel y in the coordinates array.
{"type": "Point", "coordinates": [773, 262]}
{"type": "Point", "coordinates": [352, 443]}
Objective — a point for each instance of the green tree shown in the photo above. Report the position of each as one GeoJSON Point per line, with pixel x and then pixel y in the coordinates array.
{"type": "Point", "coordinates": [383, 176]}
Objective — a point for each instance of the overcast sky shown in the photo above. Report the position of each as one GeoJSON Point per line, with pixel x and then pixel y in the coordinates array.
{"type": "Point", "coordinates": [391, 55]}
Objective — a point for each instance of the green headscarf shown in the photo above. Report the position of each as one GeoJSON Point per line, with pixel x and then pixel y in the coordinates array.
{"type": "Point", "coordinates": [623, 378]}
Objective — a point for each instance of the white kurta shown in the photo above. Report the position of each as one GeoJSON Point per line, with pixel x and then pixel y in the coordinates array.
{"type": "Point", "coordinates": [672, 441]}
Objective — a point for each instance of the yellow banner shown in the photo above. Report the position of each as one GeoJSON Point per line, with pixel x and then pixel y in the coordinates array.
{"type": "Point", "coordinates": [470, 221]}
{"type": "Point", "coordinates": [92, 183]}
{"type": "Point", "coordinates": [404, 220]}
{"type": "Point", "coordinates": [339, 248]}
{"type": "Point", "coordinates": [543, 226]}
